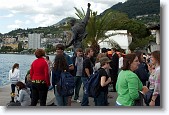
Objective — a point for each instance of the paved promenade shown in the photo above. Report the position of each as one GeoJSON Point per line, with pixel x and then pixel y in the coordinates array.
{"type": "Point", "coordinates": [5, 97]}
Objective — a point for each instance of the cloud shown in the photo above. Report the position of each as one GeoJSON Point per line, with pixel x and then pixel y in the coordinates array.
{"type": "Point", "coordinates": [36, 13]}
{"type": "Point", "coordinates": [17, 24]}
{"type": "Point", "coordinates": [44, 19]}
{"type": "Point", "coordinates": [7, 16]}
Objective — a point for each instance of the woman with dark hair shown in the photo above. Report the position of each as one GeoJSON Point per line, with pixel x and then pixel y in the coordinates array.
{"type": "Point", "coordinates": [154, 79]}
{"type": "Point", "coordinates": [24, 94]}
{"type": "Point", "coordinates": [142, 71]}
{"type": "Point", "coordinates": [60, 65]}
{"type": "Point", "coordinates": [39, 75]}
{"type": "Point", "coordinates": [14, 75]}
{"type": "Point", "coordinates": [128, 84]}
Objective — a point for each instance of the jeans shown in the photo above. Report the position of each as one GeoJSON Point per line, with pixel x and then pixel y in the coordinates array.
{"type": "Point", "coordinates": [85, 100]}
{"type": "Point", "coordinates": [13, 88]}
{"type": "Point", "coordinates": [13, 91]}
{"type": "Point", "coordinates": [60, 100]}
{"type": "Point", "coordinates": [78, 83]}
{"type": "Point", "coordinates": [101, 100]}
{"type": "Point", "coordinates": [39, 92]}
{"type": "Point", "coordinates": [157, 101]}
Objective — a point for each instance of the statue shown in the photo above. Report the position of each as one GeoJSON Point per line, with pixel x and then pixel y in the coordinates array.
{"type": "Point", "coordinates": [79, 30]}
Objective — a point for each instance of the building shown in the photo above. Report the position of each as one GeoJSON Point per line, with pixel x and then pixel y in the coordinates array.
{"type": "Point", "coordinates": [34, 41]}
{"type": "Point", "coordinates": [155, 30]}
{"type": "Point", "coordinates": [120, 37]}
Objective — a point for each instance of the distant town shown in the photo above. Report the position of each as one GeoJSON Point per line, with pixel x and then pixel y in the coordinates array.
{"type": "Point", "coordinates": [27, 44]}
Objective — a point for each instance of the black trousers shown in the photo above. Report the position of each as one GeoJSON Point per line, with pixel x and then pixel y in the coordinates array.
{"type": "Point", "coordinates": [39, 92]}
{"type": "Point", "coordinates": [13, 91]}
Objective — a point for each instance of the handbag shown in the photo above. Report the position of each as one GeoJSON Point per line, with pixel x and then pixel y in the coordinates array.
{"type": "Point", "coordinates": [139, 101]}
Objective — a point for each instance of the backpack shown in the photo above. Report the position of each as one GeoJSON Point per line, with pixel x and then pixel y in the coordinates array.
{"type": "Point", "coordinates": [66, 84]}
{"type": "Point", "coordinates": [94, 84]}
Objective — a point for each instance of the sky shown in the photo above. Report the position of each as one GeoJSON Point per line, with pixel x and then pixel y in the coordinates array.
{"type": "Point", "coordinates": [42, 13]}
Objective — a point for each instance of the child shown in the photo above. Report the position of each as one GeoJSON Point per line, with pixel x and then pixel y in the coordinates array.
{"type": "Point", "coordinates": [24, 94]}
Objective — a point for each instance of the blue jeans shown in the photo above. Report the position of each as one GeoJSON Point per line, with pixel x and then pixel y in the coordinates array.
{"type": "Point", "coordinates": [78, 83]}
{"type": "Point", "coordinates": [60, 100]}
{"type": "Point", "coordinates": [85, 100]}
{"type": "Point", "coordinates": [101, 100]}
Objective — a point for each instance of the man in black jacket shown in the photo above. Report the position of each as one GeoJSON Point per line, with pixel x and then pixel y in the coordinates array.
{"type": "Point", "coordinates": [114, 64]}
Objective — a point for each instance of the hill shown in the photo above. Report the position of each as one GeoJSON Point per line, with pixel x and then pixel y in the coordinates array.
{"type": "Point", "coordinates": [138, 7]}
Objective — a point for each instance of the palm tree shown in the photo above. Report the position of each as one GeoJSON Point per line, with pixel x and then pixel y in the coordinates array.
{"type": "Point", "coordinates": [98, 25]}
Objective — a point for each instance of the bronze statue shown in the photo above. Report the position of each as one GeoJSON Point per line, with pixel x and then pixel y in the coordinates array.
{"type": "Point", "coordinates": [79, 30]}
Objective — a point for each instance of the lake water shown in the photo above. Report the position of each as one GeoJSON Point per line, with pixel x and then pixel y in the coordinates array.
{"type": "Point", "coordinates": [7, 61]}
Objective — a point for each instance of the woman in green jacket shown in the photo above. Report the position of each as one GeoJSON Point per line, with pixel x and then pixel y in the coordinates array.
{"type": "Point", "coordinates": [128, 84]}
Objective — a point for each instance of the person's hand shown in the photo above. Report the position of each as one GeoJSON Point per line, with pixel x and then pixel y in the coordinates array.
{"type": "Point", "coordinates": [88, 4]}
{"type": "Point", "coordinates": [109, 79]}
{"type": "Point", "coordinates": [152, 103]}
{"type": "Point", "coordinates": [145, 89]}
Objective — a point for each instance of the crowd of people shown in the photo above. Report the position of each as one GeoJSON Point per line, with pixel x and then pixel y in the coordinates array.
{"type": "Point", "coordinates": [129, 75]}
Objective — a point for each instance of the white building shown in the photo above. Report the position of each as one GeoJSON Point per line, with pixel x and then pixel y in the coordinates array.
{"type": "Point", "coordinates": [121, 37]}
{"type": "Point", "coordinates": [34, 41]}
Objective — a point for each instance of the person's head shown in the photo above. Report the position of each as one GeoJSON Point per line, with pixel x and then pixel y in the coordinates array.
{"type": "Point", "coordinates": [47, 57]}
{"type": "Point", "coordinates": [60, 48]}
{"type": "Point", "coordinates": [89, 52]}
{"type": "Point", "coordinates": [72, 21]}
{"type": "Point", "coordinates": [113, 50]}
{"type": "Point", "coordinates": [120, 54]}
{"type": "Point", "coordinates": [20, 85]}
{"type": "Point", "coordinates": [104, 62]}
{"type": "Point", "coordinates": [130, 62]}
{"type": "Point", "coordinates": [103, 50]}
{"type": "Point", "coordinates": [155, 57]}
{"type": "Point", "coordinates": [39, 53]}
{"type": "Point", "coordinates": [100, 55]}
{"type": "Point", "coordinates": [79, 52]}
{"type": "Point", "coordinates": [140, 56]}
{"type": "Point", "coordinates": [16, 65]}
{"type": "Point", "coordinates": [60, 62]}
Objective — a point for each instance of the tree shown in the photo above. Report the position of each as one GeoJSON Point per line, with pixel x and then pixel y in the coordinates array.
{"type": "Point", "coordinates": [97, 26]}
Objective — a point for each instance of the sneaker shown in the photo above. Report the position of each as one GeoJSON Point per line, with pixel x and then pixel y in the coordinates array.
{"type": "Point", "coordinates": [78, 101]}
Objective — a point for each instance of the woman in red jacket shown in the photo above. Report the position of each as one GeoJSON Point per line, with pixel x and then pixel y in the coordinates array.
{"type": "Point", "coordinates": [39, 74]}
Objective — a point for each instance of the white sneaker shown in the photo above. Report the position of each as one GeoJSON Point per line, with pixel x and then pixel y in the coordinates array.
{"type": "Point", "coordinates": [78, 101]}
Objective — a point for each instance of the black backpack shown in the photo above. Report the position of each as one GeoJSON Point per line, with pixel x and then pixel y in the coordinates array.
{"type": "Point", "coordinates": [66, 84]}
{"type": "Point", "coordinates": [94, 84]}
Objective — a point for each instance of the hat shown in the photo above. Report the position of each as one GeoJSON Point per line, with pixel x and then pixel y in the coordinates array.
{"type": "Point", "coordinates": [104, 60]}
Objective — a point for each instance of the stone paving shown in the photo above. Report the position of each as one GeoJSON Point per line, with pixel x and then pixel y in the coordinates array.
{"type": "Point", "coordinates": [5, 97]}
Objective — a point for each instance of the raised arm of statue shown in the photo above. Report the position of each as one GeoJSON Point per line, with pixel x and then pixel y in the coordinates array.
{"type": "Point", "coordinates": [87, 16]}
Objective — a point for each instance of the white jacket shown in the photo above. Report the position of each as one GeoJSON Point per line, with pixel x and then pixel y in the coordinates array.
{"type": "Point", "coordinates": [14, 77]}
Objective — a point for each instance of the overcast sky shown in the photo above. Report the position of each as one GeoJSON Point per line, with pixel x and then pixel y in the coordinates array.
{"type": "Point", "coordinates": [41, 13]}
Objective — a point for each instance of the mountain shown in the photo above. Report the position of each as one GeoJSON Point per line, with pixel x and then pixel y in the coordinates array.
{"type": "Point", "coordinates": [138, 7]}
{"type": "Point", "coordinates": [63, 21]}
